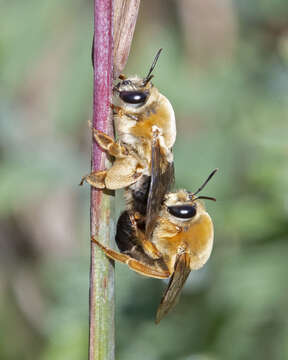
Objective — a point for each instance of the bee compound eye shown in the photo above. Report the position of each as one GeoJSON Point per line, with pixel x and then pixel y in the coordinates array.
{"type": "Point", "coordinates": [133, 97]}
{"type": "Point", "coordinates": [182, 211]}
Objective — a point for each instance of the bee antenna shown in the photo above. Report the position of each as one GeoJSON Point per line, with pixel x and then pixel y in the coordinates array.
{"type": "Point", "coordinates": [205, 182]}
{"type": "Point", "coordinates": [206, 197]}
{"type": "Point", "coordinates": [149, 76]}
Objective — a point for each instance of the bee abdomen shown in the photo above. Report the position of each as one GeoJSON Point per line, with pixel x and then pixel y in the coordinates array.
{"type": "Point", "coordinates": [128, 243]}
{"type": "Point", "coordinates": [125, 234]}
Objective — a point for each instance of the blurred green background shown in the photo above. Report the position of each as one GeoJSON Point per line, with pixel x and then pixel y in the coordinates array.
{"type": "Point", "coordinates": [224, 68]}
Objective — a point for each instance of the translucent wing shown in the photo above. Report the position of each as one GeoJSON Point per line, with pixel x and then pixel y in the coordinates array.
{"type": "Point", "coordinates": [162, 177]}
{"type": "Point", "coordinates": [171, 295]}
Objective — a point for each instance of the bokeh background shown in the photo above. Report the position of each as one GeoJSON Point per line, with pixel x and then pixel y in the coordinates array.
{"type": "Point", "coordinates": [224, 68]}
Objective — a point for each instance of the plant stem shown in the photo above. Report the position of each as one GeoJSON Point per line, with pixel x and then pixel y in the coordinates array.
{"type": "Point", "coordinates": [101, 335]}
{"type": "Point", "coordinates": [101, 305]}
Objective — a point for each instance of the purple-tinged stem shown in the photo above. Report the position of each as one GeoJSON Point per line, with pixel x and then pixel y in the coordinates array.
{"type": "Point", "coordinates": [101, 306]}
{"type": "Point", "coordinates": [101, 334]}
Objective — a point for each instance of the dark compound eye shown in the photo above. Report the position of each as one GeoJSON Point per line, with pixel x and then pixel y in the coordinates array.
{"type": "Point", "coordinates": [133, 97]}
{"type": "Point", "coordinates": [182, 211]}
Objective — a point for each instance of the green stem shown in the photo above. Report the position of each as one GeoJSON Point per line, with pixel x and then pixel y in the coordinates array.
{"type": "Point", "coordinates": [101, 341]}
{"type": "Point", "coordinates": [101, 311]}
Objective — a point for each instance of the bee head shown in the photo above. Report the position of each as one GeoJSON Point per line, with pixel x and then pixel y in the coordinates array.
{"type": "Point", "coordinates": [131, 92]}
{"type": "Point", "coordinates": [134, 92]}
{"type": "Point", "coordinates": [180, 207]}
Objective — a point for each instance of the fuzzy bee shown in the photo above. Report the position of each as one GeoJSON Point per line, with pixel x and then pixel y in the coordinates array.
{"type": "Point", "coordinates": [180, 241]}
{"type": "Point", "coordinates": [145, 125]}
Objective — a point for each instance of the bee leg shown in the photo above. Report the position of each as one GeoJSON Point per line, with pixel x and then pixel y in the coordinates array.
{"type": "Point", "coordinates": [166, 152]}
{"type": "Point", "coordinates": [112, 254]}
{"type": "Point", "coordinates": [124, 172]}
{"type": "Point", "coordinates": [112, 178]}
{"type": "Point", "coordinates": [146, 270]}
{"type": "Point", "coordinates": [95, 179]}
{"type": "Point", "coordinates": [109, 145]}
{"type": "Point", "coordinates": [149, 248]}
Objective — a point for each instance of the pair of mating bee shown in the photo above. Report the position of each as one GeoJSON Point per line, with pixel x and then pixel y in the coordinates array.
{"type": "Point", "coordinates": [161, 234]}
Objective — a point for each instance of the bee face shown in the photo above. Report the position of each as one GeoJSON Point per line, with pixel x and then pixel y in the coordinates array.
{"type": "Point", "coordinates": [182, 207]}
{"type": "Point", "coordinates": [132, 93]}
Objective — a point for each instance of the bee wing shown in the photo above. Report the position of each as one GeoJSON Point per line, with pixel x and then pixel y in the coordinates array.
{"type": "Point", "coordinates": [171, 295]}
{"type": "Point", "coordinates": [159, 185]}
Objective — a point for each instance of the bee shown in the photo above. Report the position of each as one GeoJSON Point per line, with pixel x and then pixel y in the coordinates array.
{"type": "Point", "coordinates": [181, 241]}
{"type": "Point", "coordinates": [145, 125]}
